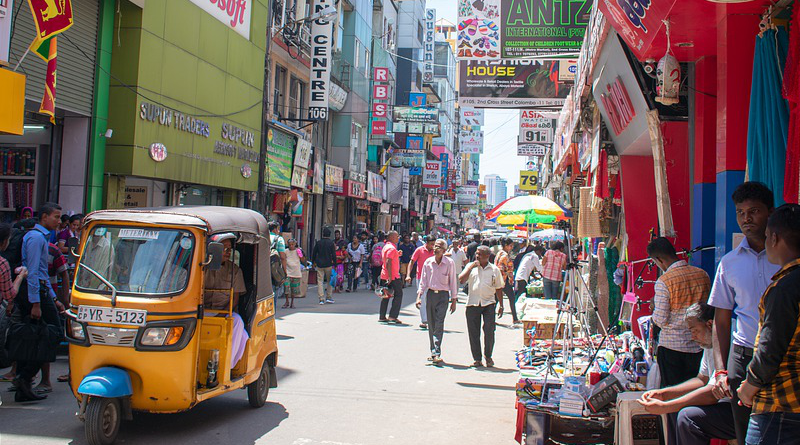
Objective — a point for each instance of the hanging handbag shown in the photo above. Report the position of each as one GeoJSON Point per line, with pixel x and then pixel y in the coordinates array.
{"type": "Point", "coordinates": [32, 340]}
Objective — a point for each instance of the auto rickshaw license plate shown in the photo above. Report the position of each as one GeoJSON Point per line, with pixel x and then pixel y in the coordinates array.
{"type": "Point", "coordinates": [93, 314]}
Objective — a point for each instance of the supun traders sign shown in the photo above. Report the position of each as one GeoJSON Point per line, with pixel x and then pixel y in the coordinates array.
{"type": "Point", "coordinates": [321, 31]}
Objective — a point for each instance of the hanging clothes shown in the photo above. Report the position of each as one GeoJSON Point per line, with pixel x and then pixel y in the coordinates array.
{"type": "Point", "coordinates": [791, 92]}
{"type": "Point", "coordinates": [614, 292]}
{"type": "Point", "coordinates": [768, 124]}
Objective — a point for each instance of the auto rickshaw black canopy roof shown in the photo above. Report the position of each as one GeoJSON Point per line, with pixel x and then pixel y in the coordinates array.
{"type": "Point", "coordinates": [212, 219]}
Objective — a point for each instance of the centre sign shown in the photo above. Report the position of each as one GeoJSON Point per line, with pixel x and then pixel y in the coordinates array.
{"type": "Point", "coordinates": [321, 31]}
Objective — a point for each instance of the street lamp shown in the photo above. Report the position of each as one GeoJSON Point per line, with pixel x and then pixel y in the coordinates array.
{"type": "Point", "coordinates": [324, 14]}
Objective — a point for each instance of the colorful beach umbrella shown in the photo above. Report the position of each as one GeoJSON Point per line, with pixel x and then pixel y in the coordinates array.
{"type": "Point", "coordinates": [528, 209]}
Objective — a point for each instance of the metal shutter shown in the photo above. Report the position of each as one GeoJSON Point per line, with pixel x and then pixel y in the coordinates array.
{"type": "Point", "coordinates": [75, 79]}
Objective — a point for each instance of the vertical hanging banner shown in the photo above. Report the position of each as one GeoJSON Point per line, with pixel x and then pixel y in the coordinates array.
{"type": "Point", "coordinates": [478, 29]}
{"type": "Point", "coordinates": [432, 176]}
{"type": "Point", "coordinates": [321, 31]}
{"type": "Point", "coordinates": [428, 45]}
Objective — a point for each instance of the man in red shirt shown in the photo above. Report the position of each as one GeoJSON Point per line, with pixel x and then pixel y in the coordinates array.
{"type": "Point", "coordinates": [553, 265]}
{"type": "Point", "coordinates": [390, 278]}
{"type": "Point", "coordinates": [419, 257]}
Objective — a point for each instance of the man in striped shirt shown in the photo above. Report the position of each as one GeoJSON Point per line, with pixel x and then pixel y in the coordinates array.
{"type": "Point", "coordinates": [772, 386]}
{"type": "Point", "coordinates": [679, 287]}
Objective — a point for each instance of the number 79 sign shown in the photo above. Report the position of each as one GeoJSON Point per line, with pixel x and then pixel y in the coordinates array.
{"type": "Point", "coordinates": [528, 180]}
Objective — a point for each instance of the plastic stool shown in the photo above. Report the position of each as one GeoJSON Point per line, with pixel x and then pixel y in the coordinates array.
{"type": "Point", "coordinates": [630, 415]}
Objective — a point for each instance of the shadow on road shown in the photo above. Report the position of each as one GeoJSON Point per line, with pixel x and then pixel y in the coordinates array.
{"type": "Point", "coordinates": [361, 302]}
{"type": "Point", "coordinates": [486, 386]}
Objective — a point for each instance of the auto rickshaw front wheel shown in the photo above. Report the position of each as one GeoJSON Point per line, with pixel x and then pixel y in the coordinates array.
{"type": "Point", "coordinates": [102, 420]}
{"type": "Point", "coordinates": [258, 391]}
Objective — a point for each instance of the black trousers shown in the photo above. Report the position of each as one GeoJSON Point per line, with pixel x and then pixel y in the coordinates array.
{"type": "Point", "coordinates": [397, 300]}
{"type": "Point", "coordinates": [474, 316]}
{"type": "Point", "coordinates": [738, 360]}
{"type": "Point", "coordinates": [22, 309]}
{"type": "Point", "coordinates": [677, 367]}
{"type": "Point", "coordinates": [512, 300]}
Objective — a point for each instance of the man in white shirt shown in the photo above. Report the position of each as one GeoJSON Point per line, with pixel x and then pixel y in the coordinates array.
{"type": "Point", "coordinates": [485, 291]}
{"type": "Point", "coordinates": [457, 254]}
{"type": "Point", "coordinates": [701, 416]}
{"type": "Point", "coordinates": [742, 277]}
{"type": "Point", "coordinates": [529, 263]}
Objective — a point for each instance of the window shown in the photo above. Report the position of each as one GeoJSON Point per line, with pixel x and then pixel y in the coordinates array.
{"type": "Point", "coordinates": [420, 32]}
{"type": "Point", "coordinates": [280, 87]}
{"type": "Point", "coordinates": [297, 91]}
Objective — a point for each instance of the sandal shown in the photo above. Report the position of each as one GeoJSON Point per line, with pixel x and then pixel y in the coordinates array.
{"type": "Point", "coordinates": [7, 378]}
{"type": "Point", "coordinates": [285, 305]}
{"type": "Point", "coordinates": [43, 389]}
{"type": "Point", "coordinates": [63, 378]}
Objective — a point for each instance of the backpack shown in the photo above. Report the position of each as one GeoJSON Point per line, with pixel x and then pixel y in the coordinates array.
{"type": "Point", "coordinates": [376, 260]}
{"type": "Point", "coordinates": [13, 253]}
{"type": "Point", "coordinates": [276, 267]}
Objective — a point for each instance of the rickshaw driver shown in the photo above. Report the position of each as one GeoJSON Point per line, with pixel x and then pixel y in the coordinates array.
{"type": "Point", "coordinates": [218, 299]}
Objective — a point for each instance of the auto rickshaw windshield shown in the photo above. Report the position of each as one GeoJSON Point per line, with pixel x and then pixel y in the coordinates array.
{"type": "Point", "coordinates": [148, 262]}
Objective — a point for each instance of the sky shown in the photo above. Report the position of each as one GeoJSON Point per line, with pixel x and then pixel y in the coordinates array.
{"type": "Point", "coordinates": [501, 125]}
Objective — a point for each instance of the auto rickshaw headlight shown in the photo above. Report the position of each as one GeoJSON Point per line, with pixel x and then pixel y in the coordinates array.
{"type": "Point", "coordinates": [162, 336]}
{"type": "Point", "coordinates": [75, 330]}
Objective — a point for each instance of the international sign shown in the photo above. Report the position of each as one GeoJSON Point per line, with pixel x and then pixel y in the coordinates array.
{"type": "Point", "coordinates": [535, 128]}
{"type": "Point", "coordinates": [321, 31]}
{"type": "Point", "coordinates": [531, 150]}
{"type": "Point", "coordinates": [529, 180]}
{"type": "Point", "coordinates": [531, 28]}
{"type": "Point", "coordinates": [428, 45]}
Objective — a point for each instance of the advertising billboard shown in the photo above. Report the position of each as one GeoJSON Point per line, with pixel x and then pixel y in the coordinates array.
{"type": "Point", "coordinates": [534, 28]}
{"type": "Point", "coordinates": [511, 84]}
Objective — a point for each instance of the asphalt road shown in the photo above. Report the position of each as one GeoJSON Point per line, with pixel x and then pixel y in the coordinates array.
{"type": "Point", "coordinates": [343, 379]}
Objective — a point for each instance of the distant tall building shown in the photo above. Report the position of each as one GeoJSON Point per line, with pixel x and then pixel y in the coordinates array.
{"type": "Point", "coordinates": [496, 189]}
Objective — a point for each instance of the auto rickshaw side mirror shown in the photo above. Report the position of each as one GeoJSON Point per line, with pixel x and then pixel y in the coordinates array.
{"type": "Point", "coordinates": [73, 243]}
{"type": "Point", "coordinates": [214, 256]}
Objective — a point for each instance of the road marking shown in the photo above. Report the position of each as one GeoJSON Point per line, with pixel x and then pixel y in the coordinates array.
{"type": "Point", "coordinates": [302, 441]}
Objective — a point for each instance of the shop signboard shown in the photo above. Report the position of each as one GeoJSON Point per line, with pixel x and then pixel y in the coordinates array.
{"type": "Point", "coordinates": [299, 177]}
{"type": "Point", "coordinates": [319, 174]}
{"type": "Point", "coordinates": [354, 189]}
{"type": "Point", "coordinates": [394, 185]}
{"type": "Point", "coordinates": [432, 175]}
{"type": "Point", "coordinates": [470, 141]}
{"type": "Point", "coordinates": [380, 91]}
{"type": "Point", "coordinates": [416, 100]}
{"type": "Point", "coordinates": [6, 9]}
{"type": "Point", "coordinates": [337, 98]}
{"type": "Point", "coordinates": [467, 195]}
{"type": "Point", "coordinates": [135, 196]}
{"type": "Point", "coordinates": [514, 83]}
{"type": "Point", "coordinates": [471, 116]}
{"type": "Point", "coordinates": [621, 101]}
{"type": "Point", "coordinates": [534, 28]}
{"type": "Point", "coordinates": [375, 187]}
{"type": "Point", "coordinates": [302, 155]}
{"type": "Point", "coordinates": [478, 29]}
{"type": "Point", "coordinates": [428, 44]}
{"type": "Point", "coordinates": [638, 22]}
{"type": "Point", "coordinates": [535, 128]}
{"type": "Point", "coordinates": [568, 70]}
{"type": "Point", "coordinates": [415, 171]}
{"type": "Point", "coordinates": [320, 63]}
{"type": "Point", "coordinates": [531, 150]}
{"type": "Point", "coordinates": [411, 158]}
{"type": "Point", "coordinates": [334, 179]}
{"type": "Point", "coordinates": [233, 14]}
{"type": "Point", "coordinates": [380, 109]}
{"type": "Point", "coordinates": [416, 114]}
{"type": "Point", "coordinates": [378, 127]}
{"type": "Point", "coordinates": [528, 180]}
{"type": "Point", "coordinates": [280, 154]}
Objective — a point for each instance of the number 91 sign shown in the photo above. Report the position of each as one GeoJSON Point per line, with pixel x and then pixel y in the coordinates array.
{"type": "Point", "coordinates": [528, 180]}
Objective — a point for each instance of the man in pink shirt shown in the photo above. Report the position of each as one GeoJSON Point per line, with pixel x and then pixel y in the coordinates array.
{"type": "Point", "coordinates": [439, 283]}
{"type": "Point", "coordinates": [419, 257]}
{"type": "Point", "coordinates": [390, 278]}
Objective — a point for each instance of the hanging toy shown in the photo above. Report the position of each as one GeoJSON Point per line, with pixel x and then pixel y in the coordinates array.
{"type": "Point", "coordinates": [668, 76]}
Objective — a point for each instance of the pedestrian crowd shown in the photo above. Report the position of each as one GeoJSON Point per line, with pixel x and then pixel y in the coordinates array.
{"type": "Point", "coordinates": [722, 379]}
{"type": "Point", "coordinates": [36, 273]}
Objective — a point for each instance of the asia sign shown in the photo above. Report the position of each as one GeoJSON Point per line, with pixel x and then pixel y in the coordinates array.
{"type": "Point", "coordinates": [511, 84]}
{"type": "Point", "coordinates": [535, 128]}
{"type": "Point", "coordinates": [529, 180]}
{"type": "Point", "coordinates": [235, 14]}
{"type": "Point", "coordinates": [532, 28]}
{"type": "Point", "coordinates": [321, 60]}
{"type": "Point", "coordinates": [432, 176]}
{"type": "Point", "coordinates": [428, 45]}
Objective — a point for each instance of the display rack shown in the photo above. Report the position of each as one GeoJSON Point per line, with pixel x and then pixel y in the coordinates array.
{"type": "Point", "coordinates": [18, 183]}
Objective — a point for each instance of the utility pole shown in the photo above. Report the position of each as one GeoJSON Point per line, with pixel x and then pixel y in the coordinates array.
{"type": "Point", "coordinates": [262, 156]}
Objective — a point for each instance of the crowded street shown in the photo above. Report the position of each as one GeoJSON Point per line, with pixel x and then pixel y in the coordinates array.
{"type": "Point", "coordinates": [356, 381]}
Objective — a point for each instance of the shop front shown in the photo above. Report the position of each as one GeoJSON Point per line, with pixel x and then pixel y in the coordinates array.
{"type": "Point", "coordinates": [194, 137]}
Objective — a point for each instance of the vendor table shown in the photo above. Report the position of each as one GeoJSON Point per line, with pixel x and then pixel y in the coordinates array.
{"type": "Point", "coordinates": [543, 427]}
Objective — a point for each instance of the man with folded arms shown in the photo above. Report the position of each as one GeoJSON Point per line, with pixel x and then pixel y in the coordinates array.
{"type": "Point", "coordinates": [440, 284]}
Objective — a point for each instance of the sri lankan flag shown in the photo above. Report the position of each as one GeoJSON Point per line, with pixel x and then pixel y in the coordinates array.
{"type": "Point", "coordinates": [46, 49]}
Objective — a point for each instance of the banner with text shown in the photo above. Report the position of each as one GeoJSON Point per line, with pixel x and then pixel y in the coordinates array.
{"type": "Point", "coordinates": [321, 60]}
{"type": "Point", "coordinates": [535, 128]}
{"type": "Point", "coordinates": [534, 28]}
{"type": "Point", "coordinates": [511, 84]}
{"type": "Point", "coordinates": [470, 141]}
{"type": "Point", "coordinates": [531, 150]}
{"type": "Point", "coordinates": [471, 117]}
{"type": "Point", "coordinates": [432, 176]}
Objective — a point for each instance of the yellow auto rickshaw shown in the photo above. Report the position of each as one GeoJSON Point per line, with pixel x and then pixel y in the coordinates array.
{"type": "Point", "coordinates": [143, 334]}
